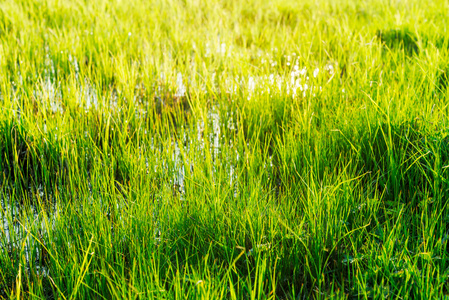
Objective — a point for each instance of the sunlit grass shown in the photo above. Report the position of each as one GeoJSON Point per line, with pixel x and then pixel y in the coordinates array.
{"type": "Point", "coordinates": [224, 149]}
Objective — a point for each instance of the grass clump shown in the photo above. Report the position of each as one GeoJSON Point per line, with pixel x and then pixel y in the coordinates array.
{"type": "Point", "coordinates": [185, 149]}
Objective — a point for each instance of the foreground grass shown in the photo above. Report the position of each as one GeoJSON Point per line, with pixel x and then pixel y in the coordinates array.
{"type": "Point", "coordinates": [263, 150]}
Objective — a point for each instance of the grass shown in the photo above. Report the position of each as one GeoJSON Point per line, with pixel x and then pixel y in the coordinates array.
{"type": "Point", "coordinates": [224, 150]}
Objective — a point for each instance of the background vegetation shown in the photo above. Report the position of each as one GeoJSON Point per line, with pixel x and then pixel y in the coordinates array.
{"type": "Point", "coordinates": [259, 149]}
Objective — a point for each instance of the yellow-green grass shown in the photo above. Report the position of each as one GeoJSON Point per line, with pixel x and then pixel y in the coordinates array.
{"type": "Point", "coordinates": [224, 149]}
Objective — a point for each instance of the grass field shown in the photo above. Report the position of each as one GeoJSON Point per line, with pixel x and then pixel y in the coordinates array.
{"type": "Point", "coordinates": [259, 149]}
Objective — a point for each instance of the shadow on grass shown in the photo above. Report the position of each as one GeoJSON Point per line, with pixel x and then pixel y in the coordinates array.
{"type": "Point", "coordinates": [28, 160]}
{"type": "Point", "coordinates": [399, 39]}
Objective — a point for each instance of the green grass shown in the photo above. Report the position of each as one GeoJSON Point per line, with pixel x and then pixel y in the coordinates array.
{"type": "Point", "coordinates": [224, 149]}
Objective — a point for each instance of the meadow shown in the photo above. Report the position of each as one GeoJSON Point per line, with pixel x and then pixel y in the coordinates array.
{"type": "Point", "coordinates": [260, 149]}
